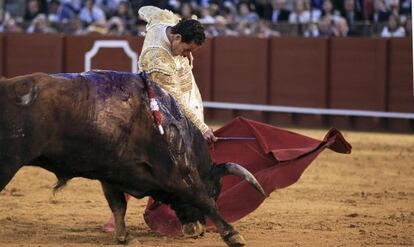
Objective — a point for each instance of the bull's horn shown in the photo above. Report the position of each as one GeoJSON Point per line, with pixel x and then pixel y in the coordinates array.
{"type": "Point", "coordinates": [238, 170]}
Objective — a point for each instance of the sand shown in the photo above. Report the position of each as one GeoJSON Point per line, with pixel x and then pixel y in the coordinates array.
{"type": "Point", "coordinates": [362, 199]}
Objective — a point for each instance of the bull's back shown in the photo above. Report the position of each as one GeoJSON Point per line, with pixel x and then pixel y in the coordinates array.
{"type": "Point", "coordinates": [51, 112]}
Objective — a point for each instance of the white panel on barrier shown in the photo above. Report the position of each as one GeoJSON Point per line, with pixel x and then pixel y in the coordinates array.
{"type": "Point", "coordinates": [111, 44]}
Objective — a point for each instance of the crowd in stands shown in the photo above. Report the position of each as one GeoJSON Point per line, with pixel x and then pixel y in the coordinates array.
{"type": "Point", "coordinates": [261, 18]}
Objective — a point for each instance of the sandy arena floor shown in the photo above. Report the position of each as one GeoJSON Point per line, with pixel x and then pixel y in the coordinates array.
{"type": "Point", "coordinates": [362, 199]}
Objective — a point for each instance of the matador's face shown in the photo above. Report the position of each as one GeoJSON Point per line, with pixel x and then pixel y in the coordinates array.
{"type": "Point", "coordinates": [180, 48]}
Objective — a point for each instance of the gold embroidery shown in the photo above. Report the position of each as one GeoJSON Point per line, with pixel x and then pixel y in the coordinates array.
{"type": "Point", "coordinates": [157, 59]}
{"type": "Point", "coordinates": [174, 74]}
{"type": "Point", "coordinates": [170, 85]}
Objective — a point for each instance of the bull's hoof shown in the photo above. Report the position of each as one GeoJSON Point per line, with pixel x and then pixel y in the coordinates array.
{"type": "Point", "coordinates": [193, 230]}
{"type": "Point", "coordinates": [122, 239]}
{"type": "Point", "coordinates": [235, 240]}
{"type": "Point", "coordinates": [134, 242]}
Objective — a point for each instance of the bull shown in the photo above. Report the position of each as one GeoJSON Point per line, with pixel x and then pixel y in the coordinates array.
{"type": "Point", "coordinates": [98, 125]}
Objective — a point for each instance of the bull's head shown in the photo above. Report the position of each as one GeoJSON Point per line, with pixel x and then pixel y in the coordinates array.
{"type": "Point", "coordinates": [193, 219]}
{"type": "Point", "coordinates": [190, 153]}
{"type": "Point", "coordinates": [184, 154]}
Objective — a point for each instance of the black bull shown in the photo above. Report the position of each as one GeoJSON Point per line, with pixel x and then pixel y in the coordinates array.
{"type": "Point", "coordinates": [98, 125]}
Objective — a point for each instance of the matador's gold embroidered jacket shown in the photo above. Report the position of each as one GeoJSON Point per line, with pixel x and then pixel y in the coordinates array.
{"type": "Point", "coordinates": [172, 73]}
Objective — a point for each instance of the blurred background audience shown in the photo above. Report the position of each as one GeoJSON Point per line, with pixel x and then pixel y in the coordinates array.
{"type": "Point", "coordinates": [259, 18]}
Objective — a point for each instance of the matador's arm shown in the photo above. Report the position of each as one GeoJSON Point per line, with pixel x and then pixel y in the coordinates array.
{"type": "Point", "coordinates": [160, 67]}
{"type": "Point", "coordinates": [167, 83]}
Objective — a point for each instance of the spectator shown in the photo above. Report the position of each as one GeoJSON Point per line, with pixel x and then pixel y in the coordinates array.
{"type": "Point", "coordinates": [329, 12]}
{"type": "Point", "coordinates": [206, 17]}
{"type": "Point", "coordinates": [317, 4]}
{"type": "Point", "coordinates": [32, 10]}
{"type": "Point", "coordinates": [221, 28]}
{"type": "Point", "coordinates": [263, 8]}
{"type": "Point", "coordinates": [11, 26]}
{"type": "Point", "coordinates": [326, 26]}
{"type": "Point", "coordinates": [380, 13]}
{"type": "Point", "coordinates": [367, 8]}
{"type": "Point", "coordinates": [98, 27]}
{"type": "Point", "coordinates": [408, 28]}
{"type": "Point", "coordinates": [393, 28]}
{"type": "Point", "coordinates": [311, 30]}
{"type": "Point", "coordinates": [91, 13]}
{"type": "Point", "coordinates": [350, 13]}
{"type": "Point", "coordinates": [124, 12]}
{"type": "Point", "coordinates": [244, 29]}
{"type": "Point", "coordinates": [59, 13]}
{"type": "Point", "coordinates": [278, 12]}
{"type": "Point", "coordinates": [16, 8]}
{"type": "Point", "coordinates": [341, 28]}
{"type": "Point", "coordinates": [74, 5]}
{"type": "Point", "coordinates": [262, 30]}
{"type": "Point", "coordinates": [229, 12]}
{"type": "Point", "coordinates": [394, 6]}
{"type": "Point", "coordinates": [116, 26]}
{"type": "Point", "coordinates": [4, 18]}
{"type": "Point", "coordinates": [108, 6]}
{"type": "Point", "coordinates": [301, 13]}
{"type": "Point", "coordinates": [352, 16]}
{"type": "Point", "coordinates": [75, 27]}
{"type": "Point", "coordinates": [186, 10]}
{"type": "Point", "coordinates": [40, 25]}
{"type": "Point", "coordinates": [246, 15]}
{"type": "Point", "coordinates": [405, 7]}
{"type": "Point", "coordinates": [163, 4]}
{"type": "Point", "coordinates": [241, 19]}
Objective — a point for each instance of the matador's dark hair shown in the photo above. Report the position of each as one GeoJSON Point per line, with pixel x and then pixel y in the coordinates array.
{"type": "Point", "coordinates": [190, 30]}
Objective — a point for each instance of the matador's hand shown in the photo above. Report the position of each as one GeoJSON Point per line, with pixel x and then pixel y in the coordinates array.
{"type": "Point", "coordinates": [209, 136]}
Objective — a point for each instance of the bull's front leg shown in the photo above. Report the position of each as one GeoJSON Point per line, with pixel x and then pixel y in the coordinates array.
{"type": "Point", "coordinates": [209, 207]}
{"type": "Point", "coordinates": [192, 219]}
{"type": "Point", "coordinates": [118, 204]}
{"type": "Point", "coordinates": [227, 232]}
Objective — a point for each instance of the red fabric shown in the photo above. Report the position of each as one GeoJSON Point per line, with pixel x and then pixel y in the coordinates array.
{"type": "Point", "coordinates": [277, 158]}
{"type": "Point", "coordinates": [156, 113]}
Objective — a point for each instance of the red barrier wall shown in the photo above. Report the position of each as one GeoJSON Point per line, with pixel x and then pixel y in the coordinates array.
{"type": "Point", "coordinates": [240, 70]}
{"type": "Point", "coordinates": [298, 70]}
{"type": "Point", "coordinates": [107, 58]}
{"type": "Point", "coordinates": [298, 77]}
{"type": "Point", "coordinates": [358, 73]}
{"type": "Point", "coordinates": [400, 88]}
{"type": "Point", "coordinates": [1, 54]}
{"type": "Point", "coordinates": [347, 73]}
{"type": "Point", "coordinates": [203, 68]}
{"type": "Point", "coordinates": [28, 53]}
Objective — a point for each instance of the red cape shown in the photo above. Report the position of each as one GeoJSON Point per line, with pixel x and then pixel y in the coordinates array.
{"type": "Point", "coordinates": [277, 158]}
